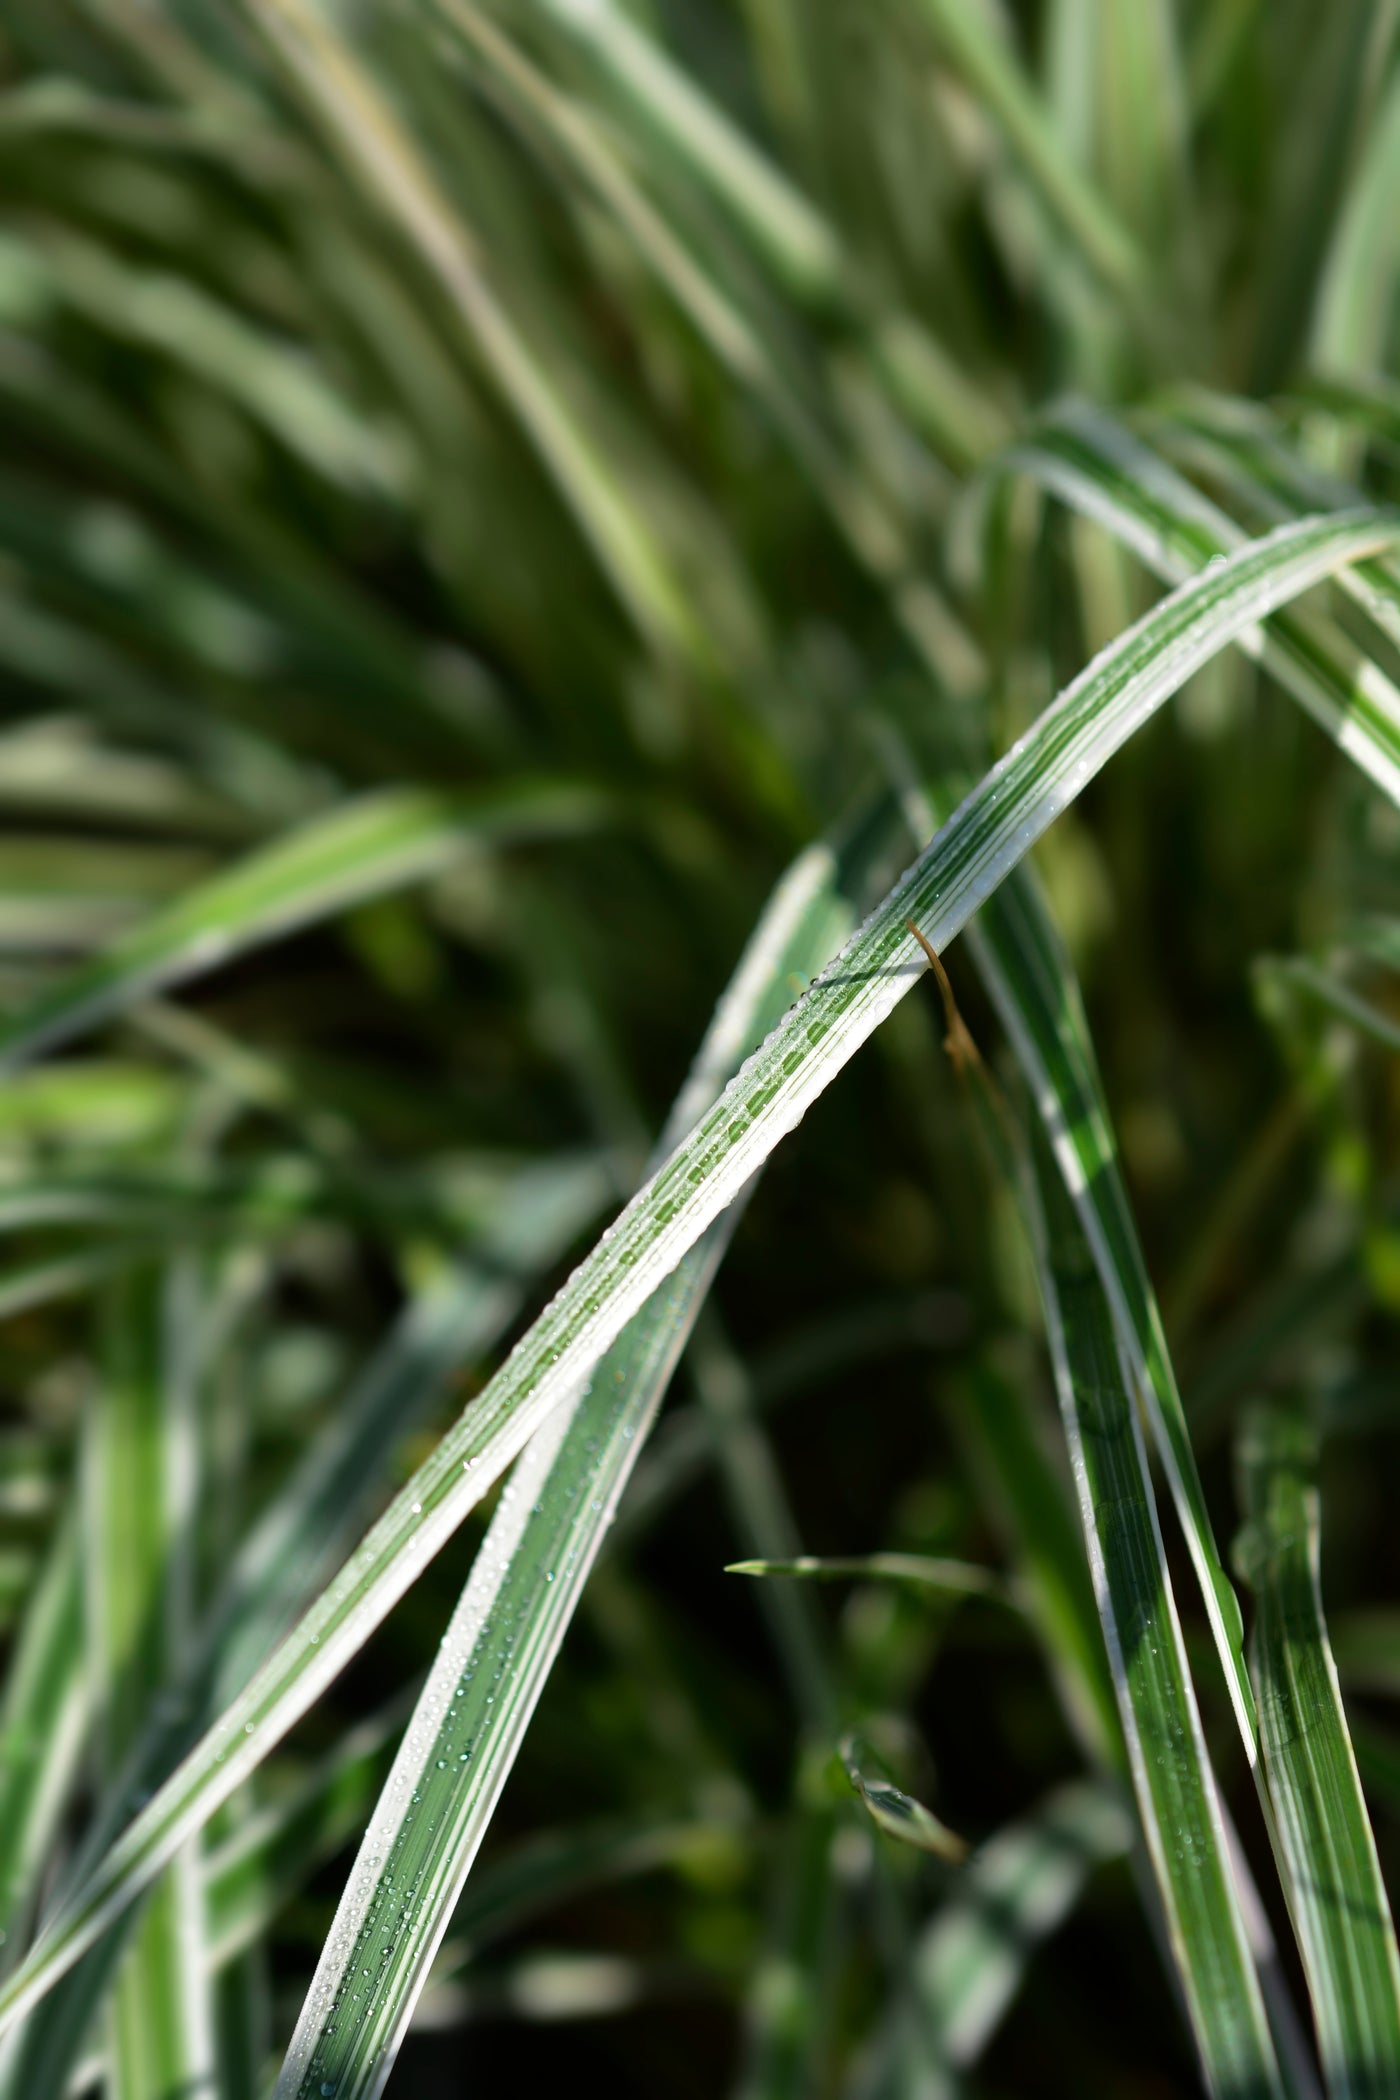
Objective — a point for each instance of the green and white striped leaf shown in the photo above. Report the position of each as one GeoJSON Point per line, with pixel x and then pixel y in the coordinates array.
{"type": "Point", "coordinates": [994, 828]}
{"type": "Point", "coordinates": [499, 1646]}
{"type": "Point", "coordinates": [42, 1726]}
{"type": "Point", "coordinates": [1172, 1779]}
{"type": "Point", "coordinates": [1337, 1895]}
{"type": "Point", "coordinates": [139, 1497]}
{"type": "Point", "coordinates": [1028, 977]}
{"type": "Point", "coordinates": [298, 1540]}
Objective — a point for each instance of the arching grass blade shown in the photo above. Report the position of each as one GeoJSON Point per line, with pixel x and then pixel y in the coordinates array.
{"type": "Point", "coordinates": [992, 830]}
{"type": "Point", "coordinates": [1095, 465]}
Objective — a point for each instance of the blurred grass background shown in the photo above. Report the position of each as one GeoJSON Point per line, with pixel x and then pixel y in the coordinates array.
{"type": "Point", "coordinates": [582, 401]}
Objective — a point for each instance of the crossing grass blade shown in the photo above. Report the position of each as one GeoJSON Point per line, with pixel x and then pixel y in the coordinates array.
{"type": "Point", "coordinates": [992, 830]}
{"type": "Point", "coordinates": [1252, 462]}
{"type": "Point", "coordinates": [255, 1869]}
{"type": "Point", "coordinates": [301, 1536]}
{"type": "Point", "coordinates": [1172, 1779]}
{"type": "Point", "coordinates": [1335, 1886]}
{"type": "Point", "coordinates": [303, 1532]}
{"type": "Point", "coordinates": [555, 1511]}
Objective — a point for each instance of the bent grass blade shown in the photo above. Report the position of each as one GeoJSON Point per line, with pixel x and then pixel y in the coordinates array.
{"type": "Point", "coordinates": [986, 837]}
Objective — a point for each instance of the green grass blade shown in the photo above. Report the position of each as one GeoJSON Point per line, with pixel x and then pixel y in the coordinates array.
{"type": "Point", "coordinates": [1171, 1773]}
{"type": "Point", "coordinates": [670, 116]}
{"type": "Point", "coordinates": [467, 1726]}
{"type": "Point", "coordinates": [1338, 1897]}
{"type": "Point", "coordinates": [41, 1726]}
{"type": "Point", "coordinates": [966, 32]}
{"type": "Point", "coordinates": [1118, 79]}
{"type": "Point", "coordinates": [1029, 979]}
{"type": "Point", "coordinates": [790, 2012]}
{"type": "Point", "coordinates": [994, 828]}
{"type": "Point", "coordinates": [499, 1647]}
{"type": "Point", "coordinates": [1280, 976]}
{"type": "Point", "coordinates": [366, 849]}
{"type": "Point", "coordinates": [346, 97]}
{"type": "Point", "coordinates": [1018, 1888]}
{"type": "Point", "coordinates": [139, 1484]}
{"type": "Point", "coordinates": [1094, 465]}
{"type": "Point", "coordinates": [299, 1539]}
{"type": "Point", "coordinates": [953, 1578]}
{"type": "Point", "coordinates": [792, 236]}
{"type": "Point", "coordinates": [1009, 1452]}
{"type": "Point", "coordinates": [161, 2016]}
{"type": "Point", "coordinates": [1247, 457]}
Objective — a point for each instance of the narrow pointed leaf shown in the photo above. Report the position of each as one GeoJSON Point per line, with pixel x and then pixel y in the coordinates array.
{"type": "Point", "coordinates": [1172, 1779]}
{"type": "Point", "coordinates": [1337, 1894]}
{"type": "Point", "coordinates": [955, 1578]}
